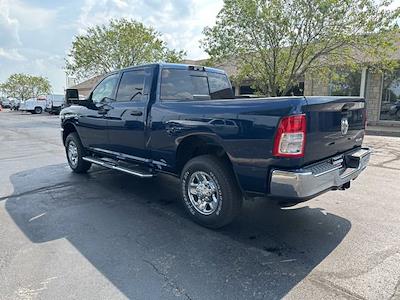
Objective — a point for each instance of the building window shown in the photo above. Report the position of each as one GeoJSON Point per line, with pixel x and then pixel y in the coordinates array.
{"type": "Point", "coordinates": [390, 104]}
{"type": "Point", "coordinates": [345, 83]}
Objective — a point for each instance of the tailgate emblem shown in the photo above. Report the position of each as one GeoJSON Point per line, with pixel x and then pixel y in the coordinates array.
{"type": "Point", "coordinates": [344, 127]}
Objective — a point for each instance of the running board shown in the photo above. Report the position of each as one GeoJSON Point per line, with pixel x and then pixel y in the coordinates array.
{"type": "Point", "coordinates": [114, 167]}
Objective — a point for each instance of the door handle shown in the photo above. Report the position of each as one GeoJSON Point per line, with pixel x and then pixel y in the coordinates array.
{"type": "Point", "coordinates": [136, 113]}
{"type": "Point", "coordinates": [174, 130]}
{"type": "Point", "coordinates": [103, 110]}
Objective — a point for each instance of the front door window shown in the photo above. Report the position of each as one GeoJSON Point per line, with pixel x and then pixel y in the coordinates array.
{"type": "Point", "coordinates": [105, 88]}
{"type": "Point", "coordinates": [132, 86]}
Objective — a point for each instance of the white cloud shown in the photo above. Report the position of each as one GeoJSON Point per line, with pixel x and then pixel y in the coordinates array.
{"type": "Point", "coordinates": [395, 4]}
{"type": "Point", "coordinates": [30, 17]}
{"type": "Point", "coordinates": [180, 21]}
{"type": "Point", "coordinates": [38, 64]}
{"type": "Point", "coordinates": [26, 30]}
{"type": "Point", "coordinates": [35, 36]}
{"type": "Point", "coordinates": [120, 3]}
{"type": "Point", "coordinates": [11, 54]}
{"type": "Point", "coordinates": [17, 16]}
{"type": "Point", "coordinates": [8, 26]}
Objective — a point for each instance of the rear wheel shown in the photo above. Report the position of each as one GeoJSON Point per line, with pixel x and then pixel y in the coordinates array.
{"type": "Point", "coordinates": [209, 190]}
{"type": "Point", "coordinates": [398, 114]}
{"type": "Point", "coordinates": [75, 153]}
{"type": "Point", "coordinates": [38, 110]}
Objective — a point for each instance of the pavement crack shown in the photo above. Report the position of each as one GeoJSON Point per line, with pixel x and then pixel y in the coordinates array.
{"type": "Point", "coordinates": [176, 288]}
{"type": "Point", "coordinates": [332, 286]}
{"type": "Point", "coordinates": [382, 166]}
{"type": "Point", "coordinates": [375, 260]}
{"type": "Point", "coordinates": [396, 292]}
{"type": "Point", "coordinates": [52, 187]}
{"type": "Point", "coordinates": [39, 190]}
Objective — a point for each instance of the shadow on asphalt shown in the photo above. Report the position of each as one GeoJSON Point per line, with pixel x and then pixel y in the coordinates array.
{"type": "Point", "coordinates": [135, 232]}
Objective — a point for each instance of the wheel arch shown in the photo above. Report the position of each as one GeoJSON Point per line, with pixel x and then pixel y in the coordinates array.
{"type": "Point", "coordinates": [68, 128]}
{"type": "Point", "coordinates": [196, 145]}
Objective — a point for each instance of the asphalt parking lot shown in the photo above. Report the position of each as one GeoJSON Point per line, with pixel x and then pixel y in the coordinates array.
{"type": "Point", "coordinates": [107, 235]}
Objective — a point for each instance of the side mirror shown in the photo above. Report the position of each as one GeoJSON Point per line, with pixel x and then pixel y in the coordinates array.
{"type": "Point", "coordinates": [71, 96]}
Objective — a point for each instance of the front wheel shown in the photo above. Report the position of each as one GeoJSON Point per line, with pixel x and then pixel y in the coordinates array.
{"type": "Point", "coordinates": [75, 153]}
{"type": "Point", "coordinates": [210, 192]}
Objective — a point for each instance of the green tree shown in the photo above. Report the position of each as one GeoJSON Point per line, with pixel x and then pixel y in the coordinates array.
{"type": "Point", "coordinates": [24, 86]}
{"type": "Point", "coordinates": [119, 44]}
{"type": "Point", "coordinates": [275, 42]}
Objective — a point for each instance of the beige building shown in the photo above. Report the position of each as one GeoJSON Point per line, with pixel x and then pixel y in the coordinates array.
{"type": "Point", "coordinates": [380, 90]}
{"type": "Point", "coordinates": [86, 86]}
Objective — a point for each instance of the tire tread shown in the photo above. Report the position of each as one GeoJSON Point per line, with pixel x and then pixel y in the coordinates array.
{"type": "Point", "coordinates": [227, 181]}
{"type": "Point", "coordinates": [83, 166]}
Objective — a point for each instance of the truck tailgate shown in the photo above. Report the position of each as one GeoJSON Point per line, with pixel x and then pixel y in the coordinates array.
{"type": "Point", "coordinates": [334, 125]}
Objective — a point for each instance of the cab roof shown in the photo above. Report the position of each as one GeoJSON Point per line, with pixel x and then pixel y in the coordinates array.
{"type": "Point", "coordinates": [175, 66]}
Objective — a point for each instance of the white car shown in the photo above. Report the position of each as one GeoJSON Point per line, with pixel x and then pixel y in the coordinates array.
{"type": "Point", "coordinates": [55, 103]}
{"type": "Point", "coordinates": [5, 103]}
{"type": "Point", "coordinates": [15, 103]}
{"type": "Point", "coordinates": [34, 105]}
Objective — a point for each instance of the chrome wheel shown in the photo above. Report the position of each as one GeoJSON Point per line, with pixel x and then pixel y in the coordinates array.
{"type": "Point", "coordinates": [203, 193]}
{"type": "Point", "coordinates": [72, 152]}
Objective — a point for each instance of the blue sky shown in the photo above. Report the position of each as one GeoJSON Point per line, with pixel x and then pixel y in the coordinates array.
{"type": "Point", "coordinates": [35, 35]}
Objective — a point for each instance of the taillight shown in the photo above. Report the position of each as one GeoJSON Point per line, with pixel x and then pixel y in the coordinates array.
{"type": "Point", "coordinates": [290, 137]}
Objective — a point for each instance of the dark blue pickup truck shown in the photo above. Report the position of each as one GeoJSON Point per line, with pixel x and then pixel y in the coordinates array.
{"type": "Point", "coordinates": [185, 121]}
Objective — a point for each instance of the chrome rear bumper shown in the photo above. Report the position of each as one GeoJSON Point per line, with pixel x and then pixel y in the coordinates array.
{"type": "Point", "coordinates": [310, 181]}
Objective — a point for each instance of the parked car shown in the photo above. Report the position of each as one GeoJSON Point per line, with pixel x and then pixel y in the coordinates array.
{"type": "Point", "coordinates": [34, 105]}
{"type": "Point", "coordinates": [15, 103]}
{"type": "Point", "coordinates": [395, 110]}
{"type": "Point", "coordinates": [171, 118]}
{"type": "Point", "coordinates": [55, 103]}
{"type": "Point", "coordinates": [5, 103]}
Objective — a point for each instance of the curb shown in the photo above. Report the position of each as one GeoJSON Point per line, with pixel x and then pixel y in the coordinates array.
{"type": "Point", "coordinates": [383, 133]}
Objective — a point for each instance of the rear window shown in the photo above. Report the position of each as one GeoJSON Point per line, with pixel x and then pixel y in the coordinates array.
{"type": "Point", "coordinates": [193, 85]}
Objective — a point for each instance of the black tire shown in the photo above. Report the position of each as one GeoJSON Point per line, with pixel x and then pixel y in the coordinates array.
{"type": "Point", "coordinates": [398, 114]}
{"type": "Point", "coordinates": [38, 110]}
{"type": "Point", "coordinates": [225, 189]}
{"type": "Point", "coordinates": [79, 165]}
